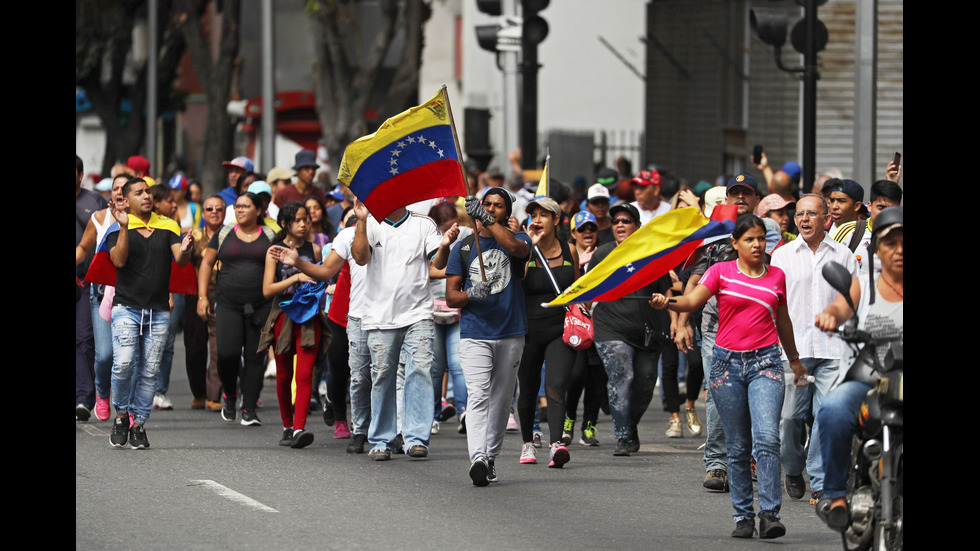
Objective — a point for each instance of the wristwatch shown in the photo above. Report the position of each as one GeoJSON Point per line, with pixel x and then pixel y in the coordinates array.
{"type": "Point", "coordinates": [491, 220]}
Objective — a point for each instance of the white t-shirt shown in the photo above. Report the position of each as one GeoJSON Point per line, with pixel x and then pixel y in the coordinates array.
{"type": "Point", "coordinates": [396, 290]}
{"type": "Point", "coordinates": [647, 215]}
{"type": "Point", "coordinates": [342, 245]}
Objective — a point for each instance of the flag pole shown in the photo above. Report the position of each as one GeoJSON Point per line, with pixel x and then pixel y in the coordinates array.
{"type": "Point", "coordinates": [462, 171]}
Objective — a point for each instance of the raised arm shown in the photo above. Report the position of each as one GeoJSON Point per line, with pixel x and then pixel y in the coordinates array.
{"type": "Point", "coordinates": [87, 243]}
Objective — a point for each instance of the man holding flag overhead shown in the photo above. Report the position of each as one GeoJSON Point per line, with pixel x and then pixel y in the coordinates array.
{"type": "Point", "coordinates": [142, 248]}
{"type": "Point", "coordinates": [412, 157]}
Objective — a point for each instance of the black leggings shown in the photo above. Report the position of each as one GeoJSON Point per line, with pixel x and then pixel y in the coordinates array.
{"type": "Point", "coordinates": [695, 376]}
{"type": "Point", "coordinates": [338, 380]}
{"type": "Point", "coordinates": [589, 376]}
{"type": "Point", "coordinates": [237, 331]}
{"type": "Point", "coordinates": [544, 345]}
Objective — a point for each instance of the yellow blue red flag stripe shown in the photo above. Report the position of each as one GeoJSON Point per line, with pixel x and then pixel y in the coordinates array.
{"type": "Point", "coordinates": [412, 157]}
{"type": "Point", "coordinates": [653, 250]}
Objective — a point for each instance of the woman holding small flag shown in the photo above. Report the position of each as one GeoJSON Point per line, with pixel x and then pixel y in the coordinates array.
{"type": "Point", "coordinates": [746, 374]}
{"type": "Point", "coordinates": [545, 327]}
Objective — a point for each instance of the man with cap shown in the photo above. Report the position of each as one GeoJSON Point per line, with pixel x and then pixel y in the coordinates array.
{"type": "Point", "coordinates": [846, 202]}
{"type": "Point", "coordinates": [235, 167]}
{"type": "Point", "coordinates": [857, 234]}
{"type": "Point", "coordinates": [493, 324]}
{"type": "Point", "coordinates": [646, 189]}
{"type": "Point", "coordinates": [597, 202]}
{"type": "Point", "coordinates": [629, 336]}
{"type": "Point", "coordinates": [305, 168]}
{"type": "Point", "coordinates": [278, 178]}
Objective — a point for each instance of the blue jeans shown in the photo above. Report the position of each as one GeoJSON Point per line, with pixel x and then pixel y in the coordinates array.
{"type": "Point", "coordinates": [839, 418]}
{"type": "Point", "coordinates": [632, 379]}
{"type": "Point", "coordinates": [103, 345]}
{"type": "Point", "coordinates": [359, 360]}
{"type": "Point", "coordinates": [748, 391]}
{"type": "Point", "coordinates": [445, 355]}
{"type": "Point", "coordinates": [795, 405]}
{"type": "Point", "coordinates": [138, 339]}
{"type": "Point", "coordinates": [385, 346]}
{"type": "Point", "coordinates": [715, 448]}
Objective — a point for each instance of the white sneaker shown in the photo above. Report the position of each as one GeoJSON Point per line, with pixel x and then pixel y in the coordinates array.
{"type": "Point", "coordinates": [529, 455]}
{"type": "Point", "coordinates": [435, 427]}
{"type": "Point", "coordinates": [160, 401]}
{"type": "Point", "coordinates": [512, 425]}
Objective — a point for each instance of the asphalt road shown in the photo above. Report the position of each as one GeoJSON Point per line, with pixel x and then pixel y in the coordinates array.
{"type": "Point", "coordinates": [208, 484]}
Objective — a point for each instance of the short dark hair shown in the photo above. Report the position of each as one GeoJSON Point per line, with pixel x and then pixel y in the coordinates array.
{"type": "Point", "coordinates": [159, 192]}
{"type": "Point", "coordinates": [129, 184]}
{"type": "Point", "coordinates": [79, 168]}
{"type": "Point", "coordinates": [887, 189]}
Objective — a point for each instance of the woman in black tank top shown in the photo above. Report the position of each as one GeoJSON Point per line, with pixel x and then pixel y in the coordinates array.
{"type": "Point", "coordinates": [545, 327]}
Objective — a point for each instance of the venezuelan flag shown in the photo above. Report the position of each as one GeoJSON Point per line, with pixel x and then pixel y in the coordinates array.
{"type": "Point", "coordinates": [652, 251]}
{"type": "Point", "coordinates": [103, 271]}
{"type": "Point", "coordinates": [412, 157]}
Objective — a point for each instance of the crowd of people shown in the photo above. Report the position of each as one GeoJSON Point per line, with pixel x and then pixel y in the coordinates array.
{"type": "Point", "coordinates": [393, 327]}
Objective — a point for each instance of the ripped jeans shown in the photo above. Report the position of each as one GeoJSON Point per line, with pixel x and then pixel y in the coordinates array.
{"type": "Point", "coordinates": [138, 340]}
{"type": "Point", "coordinates": [747, 388]}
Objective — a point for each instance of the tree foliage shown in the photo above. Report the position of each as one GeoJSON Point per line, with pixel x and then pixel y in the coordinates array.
{"type": "Point", "coordinates": [348, 63]}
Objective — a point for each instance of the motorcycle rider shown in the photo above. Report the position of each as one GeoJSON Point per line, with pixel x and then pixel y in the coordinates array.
{"type": "Point", "coordinates": [884, 319]}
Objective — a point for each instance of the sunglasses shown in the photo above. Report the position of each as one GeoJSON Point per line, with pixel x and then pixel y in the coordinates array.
{"type": "Point", "coordinates": [621, 221]}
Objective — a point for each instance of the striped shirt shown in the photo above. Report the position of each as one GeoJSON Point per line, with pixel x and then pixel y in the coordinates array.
{"type": "Point", "coordinates": [746, 306]}
{"type": "Point", "coordinates": [808, 292]}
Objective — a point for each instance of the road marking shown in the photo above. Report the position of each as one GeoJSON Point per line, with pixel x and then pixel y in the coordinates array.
{"type": "Point", "coordinates": [92, 430]}
{"type": "Point", "coordinates": [228, 493]}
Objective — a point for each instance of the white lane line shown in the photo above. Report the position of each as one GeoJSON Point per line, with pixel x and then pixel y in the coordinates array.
{"type": "Point", "coordinates": [228, 493]}
{"type": "Point", "coordinates": [92, 430]}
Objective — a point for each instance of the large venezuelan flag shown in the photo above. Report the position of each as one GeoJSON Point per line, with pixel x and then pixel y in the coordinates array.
{"type": "Point", "coordinates": [653, 250]}
{"type": "Point", "coordinates": [412, 157]}
{"type": "Point", "coordinates": [103, 271]}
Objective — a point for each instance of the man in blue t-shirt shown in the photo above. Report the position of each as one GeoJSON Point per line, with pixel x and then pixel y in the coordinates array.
{"type": "Point", "coordinates": [493, 323]}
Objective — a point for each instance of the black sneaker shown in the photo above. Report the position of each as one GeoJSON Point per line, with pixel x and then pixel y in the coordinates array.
{"type": "Point", "coordinates": [744, 528]}
{"type": "Point", "coordinates": [228, 410]}
{"type": "Point", "coordinates": [357, 443]}
{"type": "Point", "coordinates": [491, 471]}
{"type": "Point", "coordinates": [418, 450]}
{"type": "Point", "coordinates": [328, 417]}
{"type": "Point", "coordinates": [300, 439]}
{"type": "Point", "coordinates": [82, 412]}
{"type": "Point", "coordinates": [448, 411]}
{"type": "Point", "coordinates": [287, 437]}
{"type": "Point", "coordinates": [120, 431]}
{"type": "Point", "coordinates": [398, 445]}
{"type": "Point", "coordinates": [634, 439]}
{"type": "Point", "coordinates": [717, 480]}
{"type": "Point", "coordinates": [478, 472]}
{"type": "Point", "coordinates": [622, 447]}
{"type": "Point", "coordinates": [770, 527]}
{"type": "Point", "coordinates": [137, 438]}
{"type": "Point", "coordinates": [795, 486]}
{"type": "Point", "coordinates": [249, 418]}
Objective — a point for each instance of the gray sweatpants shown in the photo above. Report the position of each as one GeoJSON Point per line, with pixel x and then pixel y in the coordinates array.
{"type": "Point", "coordinates": [490, 369]}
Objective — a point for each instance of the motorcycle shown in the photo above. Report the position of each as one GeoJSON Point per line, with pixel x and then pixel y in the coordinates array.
{"type": "Point", "coordinates": [876, 473]}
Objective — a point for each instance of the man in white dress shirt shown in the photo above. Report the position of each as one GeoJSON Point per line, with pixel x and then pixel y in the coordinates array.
{"type": "Point", "coordinates": [807, 295]}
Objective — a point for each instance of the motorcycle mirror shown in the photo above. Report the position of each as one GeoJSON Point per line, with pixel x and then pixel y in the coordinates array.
{"type": "Point", "coordinates": [840, 279]}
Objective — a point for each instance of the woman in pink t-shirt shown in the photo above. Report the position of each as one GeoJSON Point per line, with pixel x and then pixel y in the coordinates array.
{"type": "Point", "coordinates": [747, 374]}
